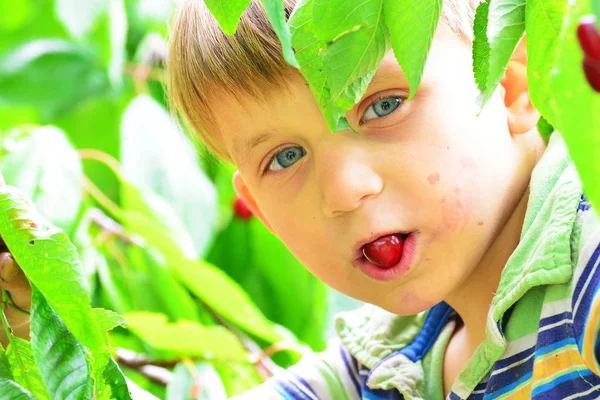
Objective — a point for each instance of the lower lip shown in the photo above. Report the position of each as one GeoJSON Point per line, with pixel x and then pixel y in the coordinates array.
{"type": "Point", "coordinates": [397, 271]}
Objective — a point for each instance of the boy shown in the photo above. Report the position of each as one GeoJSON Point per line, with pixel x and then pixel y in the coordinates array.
{"type": "Point", "coordinates": [495, 291]}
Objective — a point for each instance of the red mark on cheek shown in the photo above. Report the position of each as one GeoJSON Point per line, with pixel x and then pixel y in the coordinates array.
{"type": "Point", "coordinates": [480, 223]}
{"type": "Point", "coordinates": [433, 178]}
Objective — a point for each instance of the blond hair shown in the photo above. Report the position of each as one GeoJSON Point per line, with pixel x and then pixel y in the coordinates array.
{"type": "Point", "coordinates": [203, 60]}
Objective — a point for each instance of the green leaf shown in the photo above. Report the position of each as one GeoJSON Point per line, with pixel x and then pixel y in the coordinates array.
{"type": "Point", "coordinates": [45, 166]}
{"type": "Point", "coordinates": [481, 45]}
{"type": "Point", "coordinates": [352, 55]}
{"type": "Point", "coordinates": [224, 296]}
{"type": "Point", "coordinates": [596, 9]}
{"type": "Point", "coordinates": [80, 16]}
{"type": "Point", "coordinates": [50, 262]}
{"type": "Point", "coordinates": [115, 379]}
{"type": "Point", "coordinates": [24, 368]}
{"type": "Point", "coordinates": [108, 320]}
{"type": "Point", "coordinates": [290, 296]}
{"type": "Point", "coordinates": [309, 54]}
{"type": "Point", "coordinates": [545, 129]}
{"type": "Point", "coordinates": [4, 366]}
{"type": "Point", "coordinates": [150, 137]}
{"type": "Point", "coordinates": [576, 104]}
{"type": "Point", "coordinates": [10, 390]}
{"type": "Point", "coordinates": [543, 22]}
{"type": "Point", "coordinates": [172, 297]}
{"type": "Point", "coordinates": [412, 26]}
{"type": "Point", "coordinates": [51, 74]}
{"type": "Point", "coordinates": [185, 338]}
{"type": "Point", "coordinates": [506, 25]}
{"type": "Point", "coordinates": [227, 13]}
{"type": "Point", "coordinates": [276, 14]}
{"type": "Point", "coordinates": [117, 283]}
{"type": "Point", "coordinates": [60, 357]}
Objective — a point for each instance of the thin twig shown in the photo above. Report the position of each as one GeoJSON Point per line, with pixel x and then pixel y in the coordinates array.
{"type": "Point", "coordinates": [113, 228]}
{"type": "Point", "coordinates": [141, 364]}
{"type": "Point", "coordinates": [265, 367]}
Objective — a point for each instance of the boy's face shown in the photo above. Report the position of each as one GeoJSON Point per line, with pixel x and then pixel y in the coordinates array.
{"type": "Point", "coordinates": [430, 167]}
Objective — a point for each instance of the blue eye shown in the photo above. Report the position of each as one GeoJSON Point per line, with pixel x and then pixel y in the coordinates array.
{"type": "Point", "coordinates": [382, 107]}
{"type": "Point", "coordinates": [286, 158]}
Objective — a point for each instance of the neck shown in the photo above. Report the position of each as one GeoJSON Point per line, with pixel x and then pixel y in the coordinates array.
{"type": "Point", "coordinates": [472, 301]}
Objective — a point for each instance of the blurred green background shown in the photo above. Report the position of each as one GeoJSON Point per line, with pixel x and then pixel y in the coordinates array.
{"type": "Point", "coordinates": [85, 133]}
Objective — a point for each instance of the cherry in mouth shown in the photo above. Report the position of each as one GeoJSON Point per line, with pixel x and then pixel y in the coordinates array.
{"type": "Point", "coordinates": [386, 251]}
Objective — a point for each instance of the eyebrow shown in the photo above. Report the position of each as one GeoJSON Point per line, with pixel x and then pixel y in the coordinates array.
{"type": "Point", "coordinates": [245, 146]}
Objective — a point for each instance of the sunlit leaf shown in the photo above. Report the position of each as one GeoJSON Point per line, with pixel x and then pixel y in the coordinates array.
{"type": "Point", "coordinates": [185, 338]}
{"type": "Point", "coordinates": [506, 25]}
{"type": "Point", "coordinates": [4, 366]}
{"type": "Point", "coordinates": [576, 105]}
{"type": "Point", "coordinates": [224, 296]}
{"type": "Point", "coordinates": [543, 23]}
{"type": "Point", "coordinates": [60, 357]}
{"type": "Point", "coordinates": [481, 45]}
{"type": "Point", "coordinates": [107, 320]}
{"type": "Point", "coordinates": [149, 137]}
{"type": "Point", "coordinates": [51, 74]}
{"type": "Point", "coordinates": [355, 48]}
{"type": "Point", "coordinates": [23, 367]}
{"type": "Point", "coordinates": [309, 54]}
{"type": "Point", "coordinates": [80, 16]}
{"type": "Point", "coordinates": [10, 390]}
{"type": "Point", "coordinates": [227, 13]}
{"type": "Point", "coordinates": [412, 25]}
{"type": "Point", "coordinates": [276, 14]}
{"type": "Point", "coordinates": [174, 300]}
{"type": "Point", "coordinates": [47, 169]}
{"type": "Point", "coordinates": [115, 379]}
{"type": "Point", "coordinates": [50, 262]}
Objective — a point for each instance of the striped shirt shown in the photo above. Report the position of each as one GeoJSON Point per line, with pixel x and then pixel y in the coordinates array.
{"type": "Point", "coordinates": [542, 329]}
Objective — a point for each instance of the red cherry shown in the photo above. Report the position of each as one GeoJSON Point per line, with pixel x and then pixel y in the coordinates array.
{"type": "Point", "coordinates": [591, 69]}
{"type": "Point", "coordinates": [241, 209]}
{"type": "Point", "coordinates": [385, 251]}
{"type": "Point", "coordinates": [589, 39]}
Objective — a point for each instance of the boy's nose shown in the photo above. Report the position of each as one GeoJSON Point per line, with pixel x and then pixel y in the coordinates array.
{"type": "Point", "coordinates": [347, 179]}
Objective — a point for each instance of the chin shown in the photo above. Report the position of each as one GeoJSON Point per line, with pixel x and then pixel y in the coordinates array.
{"type": "Point", "coordinates": [408, 303]}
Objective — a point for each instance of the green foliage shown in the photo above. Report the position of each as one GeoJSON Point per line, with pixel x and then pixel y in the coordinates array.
{"type": "Point", "coordinates": [227, 12]}
{"type": "Point", "coordinates": [146, 223]}
{"type": "Point", "coordinates": [23, 367]}
{"type": "Point", "coordinates": [505, 27]}
{"type": "Point", "coordinates": [412, 29]}
{"type": "Point", "coordinates": [10, 390]}
{"type": "Point", "coordinates": [60, 357]}
{"type": "Point", "coordinates": [157, 143]}
{"type": "Point", "coordinates": [576, 105]}
{"type": "Point", "coordinates": [48, 171]}
{"type": "Point", "coordinates": [276, 15]}
{"type": "Point", "coordinates": [185, 338]}
{"type": "Point", "coordinates": [50, 74]}
{"type": "Point", "coordinates": [543, 22]}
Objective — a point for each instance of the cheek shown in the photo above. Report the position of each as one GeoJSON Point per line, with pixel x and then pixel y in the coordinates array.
{"type": "Point", "coordinates": [460, 198]}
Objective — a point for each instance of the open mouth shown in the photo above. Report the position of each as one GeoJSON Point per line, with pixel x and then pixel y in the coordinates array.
{"type": "Point", "coordinates": [388, 257]}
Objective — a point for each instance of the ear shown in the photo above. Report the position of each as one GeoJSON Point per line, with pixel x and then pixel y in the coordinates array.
{"type": "Point", "coordinates": [244, 193]}
{"type": "Point", "coordinates": [521, 114]}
